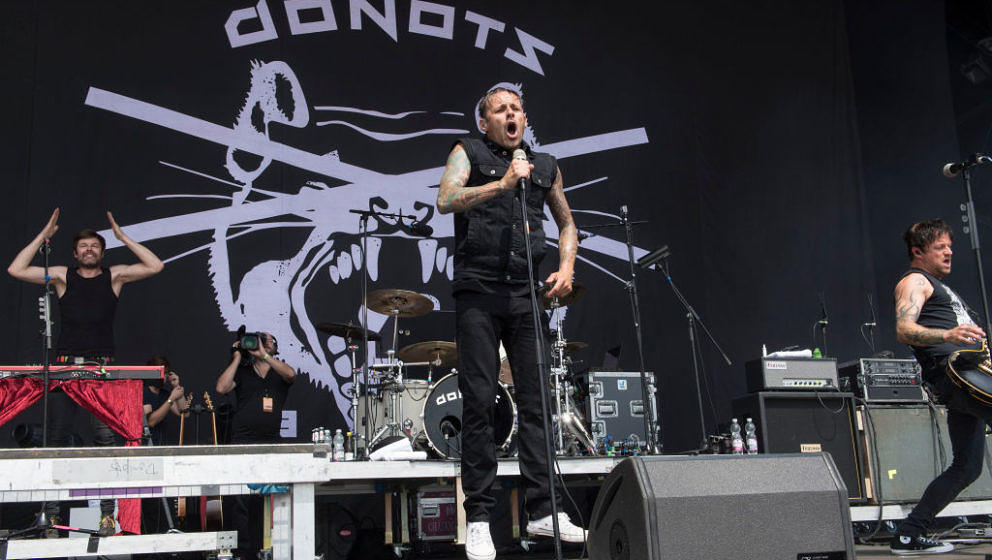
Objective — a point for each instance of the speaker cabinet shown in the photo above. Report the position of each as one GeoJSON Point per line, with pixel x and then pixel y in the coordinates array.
{"type": "Point", "coordinates": [755, 507]}
{"type": "Point", "coordinates": [903, 445]}
{"type": "Point", "coordinates": [808, 422]}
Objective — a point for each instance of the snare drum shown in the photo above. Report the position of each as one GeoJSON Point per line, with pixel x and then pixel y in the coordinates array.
{"type": "Point", "coordinates": [442, 417]}
{"type": "Point", "coordinates": [407, 400]}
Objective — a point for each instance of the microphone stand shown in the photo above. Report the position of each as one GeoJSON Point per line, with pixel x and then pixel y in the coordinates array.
{"type": "Point", "coordinates": [694, 319]}
{"type": "Point", "coordinates": [46, 303]}
{"type": "Point", "coordinates": [363, 227]}
{"type": "Point", "coordinates": [976, 246]}
{"type": "Point", "coordinates": [541, 371]}
{"type": "Point", "coordinates": [647, 394]}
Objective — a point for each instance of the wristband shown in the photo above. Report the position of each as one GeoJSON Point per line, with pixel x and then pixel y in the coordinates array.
{"type": "Point", "coordinates": [266, 356]}
{"type": "Point", "coordinates": [170, 401]}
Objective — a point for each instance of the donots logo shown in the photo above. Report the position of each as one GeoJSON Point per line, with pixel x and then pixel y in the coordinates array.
{"type": "Point", "coordinates": [319, 277]}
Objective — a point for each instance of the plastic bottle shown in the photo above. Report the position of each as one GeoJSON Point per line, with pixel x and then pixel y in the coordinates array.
{"type": "Point", "coordinates": [349, 447]}
{"type": "Point", "coordinates": [338, 445]}
{"type": "Point", "coordinates": [735, 437]}
{"type": "Point", "coordinates": [751, 437]}
{"type": "Point", "coordinates": [817, 354]}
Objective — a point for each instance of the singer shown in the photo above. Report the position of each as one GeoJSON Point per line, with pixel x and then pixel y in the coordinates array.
{"type": "Point", "coordinates": [935, 321]}
{"type": "Point", "coordinates": [492, 303]}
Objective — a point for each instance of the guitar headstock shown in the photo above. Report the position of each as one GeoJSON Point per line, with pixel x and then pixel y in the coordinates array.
{"type": "Point", "coordinates": [207, 402]}
{"type": "Point", "coordinates": [189, 403]}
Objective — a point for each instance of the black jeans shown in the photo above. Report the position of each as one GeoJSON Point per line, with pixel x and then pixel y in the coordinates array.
{"type": "Point", "coordinates": [966, 421]}
{"type": "Point", "coordinates": [483, 320]}
{"type": "Point", "coordinates": [61, 409]}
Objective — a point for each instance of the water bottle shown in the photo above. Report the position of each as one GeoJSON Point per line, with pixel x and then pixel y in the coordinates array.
{"type": "Point", "coordinates": [338, 445]}
{"type": "Point", "coordinates": [751, 437]}
{"type": "Point", "coordinates": [349, 447]}
{"type": "Point", "coordinates": [735, 435]}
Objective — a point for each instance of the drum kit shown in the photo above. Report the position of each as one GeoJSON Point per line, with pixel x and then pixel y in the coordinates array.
{"type": "Point", "coordinates": [429, 412]}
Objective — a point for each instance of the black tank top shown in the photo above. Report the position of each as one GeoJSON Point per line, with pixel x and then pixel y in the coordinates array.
{"type": "Point", "coordinates": [87, 315]}
{"type": "Point", "coordinates": [943, 310]}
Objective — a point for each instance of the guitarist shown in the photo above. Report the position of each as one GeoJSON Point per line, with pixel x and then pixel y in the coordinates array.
{"type": "Point", "coordinates": [935, 321]}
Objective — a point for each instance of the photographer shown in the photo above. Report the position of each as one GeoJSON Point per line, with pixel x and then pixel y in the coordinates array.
{"type": "Point", "coordinates": [161, 398]}
{"type": "Point", "coordinates": [260, 383]}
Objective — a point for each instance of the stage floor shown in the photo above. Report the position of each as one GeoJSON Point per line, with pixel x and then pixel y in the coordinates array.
{"type": "Point", "coordinates": [963, 552]}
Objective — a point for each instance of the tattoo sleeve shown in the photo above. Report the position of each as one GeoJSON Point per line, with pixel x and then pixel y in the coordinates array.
{"type": "Point", "coordinates": [568, 241]}
{"type": "Point", "coordinates": [453, 195]}
{"type": "Point", "coordinates": [910, 297]}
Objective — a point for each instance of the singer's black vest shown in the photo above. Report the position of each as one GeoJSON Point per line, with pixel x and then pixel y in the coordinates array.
{"type": "Point", "coordinates": [489, 238]}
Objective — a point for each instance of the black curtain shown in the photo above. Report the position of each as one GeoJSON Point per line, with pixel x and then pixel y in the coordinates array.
{"type": "Point", "coordinates": [778, 148]}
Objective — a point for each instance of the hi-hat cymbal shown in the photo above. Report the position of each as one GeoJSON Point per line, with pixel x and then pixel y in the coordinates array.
{"type": "Point", "coordinates": [346, 330]}
{"type": "Point", "coordinates": [399, 303]}
{"type": "Point", "coordinates": [430, 351]}
{"type": "Point", "coordinates": [578, 290]}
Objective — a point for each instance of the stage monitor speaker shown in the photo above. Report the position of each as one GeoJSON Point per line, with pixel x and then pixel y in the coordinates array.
{"type": "Point", "coordinates": [804, 422]}
{"type": "Point", "coordinates": [904, 452]}
{"type": "Point", "coordinates": [756, 507]}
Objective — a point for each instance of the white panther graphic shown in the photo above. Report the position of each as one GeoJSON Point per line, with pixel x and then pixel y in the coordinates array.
{"type": "Point", "coordinates": [274, 293]}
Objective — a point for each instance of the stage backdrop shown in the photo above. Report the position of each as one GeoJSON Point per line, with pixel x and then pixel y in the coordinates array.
{"type": "Point", "coordinates": [233, 138]}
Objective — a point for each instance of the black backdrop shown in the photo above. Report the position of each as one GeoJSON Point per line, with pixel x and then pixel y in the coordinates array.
{"type": "Point", "coordinates": [778, 148]}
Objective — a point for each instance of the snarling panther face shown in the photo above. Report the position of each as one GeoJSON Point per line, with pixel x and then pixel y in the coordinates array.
{"type": "Point", "coordinates": [317, 275]}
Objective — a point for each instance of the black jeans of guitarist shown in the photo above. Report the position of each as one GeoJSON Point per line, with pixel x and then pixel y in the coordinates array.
{"type": "Point", "coordinates": [966, 421]}
{"type": "Point", "coordinates": [483, 320]}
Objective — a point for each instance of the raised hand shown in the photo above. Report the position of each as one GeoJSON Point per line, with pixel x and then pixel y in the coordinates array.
{"type": "Point", "coordinates": [52, 226]}
{"type": "Point", "coordinates": [118, 233]}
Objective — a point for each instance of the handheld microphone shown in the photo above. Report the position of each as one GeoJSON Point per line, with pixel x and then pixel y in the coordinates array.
{"type": "Point", "coordinates": [520, 154]}
{"type": "Point", "coordinates": [823, 322]}
{"type": "Point", "coordinates": [583, 235]}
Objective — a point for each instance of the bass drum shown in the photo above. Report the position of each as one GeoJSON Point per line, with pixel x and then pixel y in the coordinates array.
{"type": "Point", "coordinates": [443, 418]}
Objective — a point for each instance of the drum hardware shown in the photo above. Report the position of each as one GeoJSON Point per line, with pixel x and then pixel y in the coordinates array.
{"type": "Point", "coordinates": [396, 304]}
{"type": "Point", "coordinates": [570, 428]}
{"type": "Point", "coordinates": [348, 331]}
{"type": "Point", "coordinates": [434, 353]}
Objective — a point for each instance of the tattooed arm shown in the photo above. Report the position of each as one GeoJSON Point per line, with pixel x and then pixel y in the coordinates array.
{"type": "Point", "coordinates": [911, 293]}
{"type": "Point", "coordinates": [454, 196]}
{"type": "Point", "coordinates": [568, 240]}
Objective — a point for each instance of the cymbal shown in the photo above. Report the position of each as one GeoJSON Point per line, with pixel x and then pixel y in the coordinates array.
{"type": "Point", "coordinates": [429, 351]}
{"type": "Point", "coordinates": [574, 346]}
{"type": "Point", "coordinates": [346, 330]}
{"type": "Point", "coordinates": [578, 290]}
{"type": "Point", "coordinates": [401, 303]}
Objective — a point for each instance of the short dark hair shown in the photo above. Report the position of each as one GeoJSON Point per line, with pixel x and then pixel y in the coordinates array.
{"type": "Point", "coordinates": [89, 234]}
{"type": "Point", "coordinates": [922, 234]}
{"type": "Point", "coordinates": [160, 360]}
{"type": "Point", "coordinates": [484, 102]}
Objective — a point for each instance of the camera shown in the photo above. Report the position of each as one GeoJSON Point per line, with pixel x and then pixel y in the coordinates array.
{"type": "Point", "coordinates": [252, 341]}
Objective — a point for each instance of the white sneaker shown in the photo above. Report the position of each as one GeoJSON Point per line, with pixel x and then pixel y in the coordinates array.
{"type": "Point", "coordinates": [569, 531]}
{"type": "Point", "coordinates": [478, 541]}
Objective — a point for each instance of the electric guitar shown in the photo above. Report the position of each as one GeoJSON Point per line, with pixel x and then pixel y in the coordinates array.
{"type": "Point", "coordinates": [971, 369]}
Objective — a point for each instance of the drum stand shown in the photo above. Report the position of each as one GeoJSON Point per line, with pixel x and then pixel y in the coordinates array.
{"type": "Point", "coordinates": [570, 426]}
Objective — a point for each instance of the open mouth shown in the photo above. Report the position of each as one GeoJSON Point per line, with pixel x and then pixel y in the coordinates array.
{"type": "Point", "coordinates": [511, 128]}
